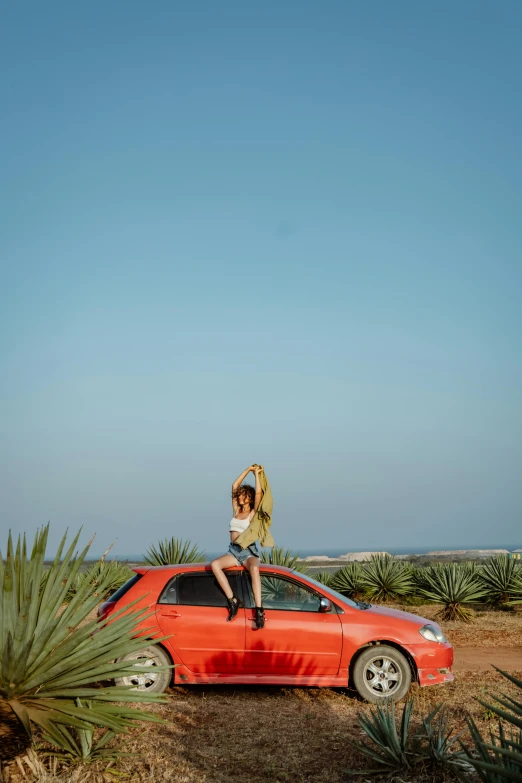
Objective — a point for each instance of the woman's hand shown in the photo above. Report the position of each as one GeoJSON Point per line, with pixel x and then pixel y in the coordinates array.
{"type": "Point", "coordinates": [257, 468]}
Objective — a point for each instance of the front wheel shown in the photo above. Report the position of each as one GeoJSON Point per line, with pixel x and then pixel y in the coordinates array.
{"type": "Point", "coordinates": [381, 672]}
{"type": "Point", "coordinates": [150, 680]}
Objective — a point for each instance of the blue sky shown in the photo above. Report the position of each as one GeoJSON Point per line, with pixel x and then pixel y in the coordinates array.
{"type": "Point", "coordinates": [278, 232]}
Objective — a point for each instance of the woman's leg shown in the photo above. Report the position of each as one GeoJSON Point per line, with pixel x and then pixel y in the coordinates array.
{"type": "Point", "coordinates": [252, 565]}
{"type": "Point", "coordinates": [217, 566]}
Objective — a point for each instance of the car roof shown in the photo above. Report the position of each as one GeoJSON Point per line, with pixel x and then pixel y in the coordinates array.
{"type": "Point", "coordinates": [185, 567]}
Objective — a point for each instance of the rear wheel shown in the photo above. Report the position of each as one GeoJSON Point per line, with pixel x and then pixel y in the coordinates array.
{"type": "Point", "coordinates": [150, 680]}
{"type": "Point", "coordinates": [381, 672]}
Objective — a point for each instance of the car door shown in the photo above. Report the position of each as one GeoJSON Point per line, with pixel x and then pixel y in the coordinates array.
{"type": "Point", "coordinates": [298, 639]}
{"type": "Point", "coordinates": [193, 608]}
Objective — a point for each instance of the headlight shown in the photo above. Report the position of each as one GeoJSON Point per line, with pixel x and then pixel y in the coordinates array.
{"type": "Point", "coordinates": [432, 633]}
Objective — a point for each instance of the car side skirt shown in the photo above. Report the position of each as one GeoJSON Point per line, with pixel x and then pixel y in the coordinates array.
{"type": "Point", "coordinates": [184, 676]}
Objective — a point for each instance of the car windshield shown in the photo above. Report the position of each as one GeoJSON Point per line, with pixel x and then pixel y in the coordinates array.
{"type": "Point", "coordinates": [337, 596]}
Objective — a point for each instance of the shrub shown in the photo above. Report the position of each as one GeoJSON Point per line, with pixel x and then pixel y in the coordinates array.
{"type": "Point", "coordinates": [103, 577]}
{"type": "Point", "coordinates": [348, 581]}
{"type": "Point", "coordinates": [54, 656]}
{"type": "Point", "coordinates": [384, 579]}
{"type": "Point", "coordinates": [500, 758]}
{"type": "Point", "coordinates": [398, 750]}
{"type": "Point", "coordinates": [173, 551]}
{"type": "Point", "coordinates": [323, 577]}
{"type": "Point", "coordinates": [283, 557]}
{"type": "Point", "coordinates": [502, 579]}
{"type": "Point", "coordinates": [453, 586]}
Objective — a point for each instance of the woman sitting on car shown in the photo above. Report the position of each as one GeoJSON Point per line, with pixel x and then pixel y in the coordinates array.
{"type": "Point", "coordinates": [252, 510]}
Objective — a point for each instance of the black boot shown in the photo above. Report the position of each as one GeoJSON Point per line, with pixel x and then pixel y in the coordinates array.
{"type": "Point", "coordinates": [260, 617]}
{"type": "Point", "coordinates": [233, 607]}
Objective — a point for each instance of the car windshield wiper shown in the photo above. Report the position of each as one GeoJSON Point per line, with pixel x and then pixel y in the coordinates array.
{"type": "Point", "coordinates": [362, 605]}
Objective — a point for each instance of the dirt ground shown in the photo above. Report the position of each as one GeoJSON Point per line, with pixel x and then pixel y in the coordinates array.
{"type": "Point", "coordinates": [260, 734]}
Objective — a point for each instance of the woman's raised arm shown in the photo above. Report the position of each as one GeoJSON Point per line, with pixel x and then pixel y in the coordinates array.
{"type": "Point", "coordinates": [237, 484]}
{"type": "Point", "coordinates": [259, 492]}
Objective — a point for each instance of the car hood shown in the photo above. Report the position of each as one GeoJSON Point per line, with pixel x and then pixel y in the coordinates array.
{"type": "Point", "coordinates": [398, 614]}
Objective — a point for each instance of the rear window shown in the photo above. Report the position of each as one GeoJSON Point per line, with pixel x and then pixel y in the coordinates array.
{"type": "Point", "coordinates": [196, 590]}
{"type": "Point", "coordinates": [124, 588]}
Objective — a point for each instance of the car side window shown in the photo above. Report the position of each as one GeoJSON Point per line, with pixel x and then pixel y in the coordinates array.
{"type": "Point", "coordinates": [196, 590]}
{"type": "Point", "coordinates": [169, 593]}
{"type": "Point", "coordinates": [278, 592]}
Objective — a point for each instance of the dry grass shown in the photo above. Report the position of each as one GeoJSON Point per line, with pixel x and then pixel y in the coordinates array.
{"type": "Point", "coordinates": [218, 734]}
{"type": "Point", "coordinates": [489, 628]}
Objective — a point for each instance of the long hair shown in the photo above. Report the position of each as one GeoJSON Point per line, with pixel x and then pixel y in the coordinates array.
{"type": "Point", "coordinates": [249, 492]}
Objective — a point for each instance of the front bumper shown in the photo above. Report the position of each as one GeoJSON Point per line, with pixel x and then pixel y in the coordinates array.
{"type": "Point", "coordinates": [433, 662]}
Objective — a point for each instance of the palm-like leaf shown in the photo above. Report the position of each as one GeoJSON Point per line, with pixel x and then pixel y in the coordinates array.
{"type": "Point", "coordinates": [323, 577]}
{"type": "Point", "coordinates": [441, 740]}
{"type": "Point", "coordinates": [283, 557]}
{"type": "Point", "coordinates": [173, 551]}
{"type": "Point", "coordinates": [390, 747]}
{"type": "Point", "coordinates": [52, 657]}
{"type": "Point", "coordinates": [80, 745]}
{"type": "Point", "coordinates": [112, 575]}
{"type": "Point", "coordinates": [502, 578]}
{"type": "Point", "coordinates": [384, 579]}
{"type": "Point", "coordinates": [348, 581]}
{"type": "Point", "coordinates": [500, 759]}
{"type": "Point", "coordinates": [454, 587]}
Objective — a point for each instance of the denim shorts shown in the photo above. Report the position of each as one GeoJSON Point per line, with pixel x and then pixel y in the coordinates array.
{"type": "Point", "coordinates": [243, 554]}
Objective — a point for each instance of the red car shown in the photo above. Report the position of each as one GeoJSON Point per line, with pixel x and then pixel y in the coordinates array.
{"type": "Point", "coordinates": [313, 635]}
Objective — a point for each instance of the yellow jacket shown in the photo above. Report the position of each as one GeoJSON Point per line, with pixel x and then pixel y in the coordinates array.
{"type": "Point", "coordinates": [258, 529]}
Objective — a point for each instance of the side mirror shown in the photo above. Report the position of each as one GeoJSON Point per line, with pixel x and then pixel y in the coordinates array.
{"type": "Point", "coordinates": [325, 605]}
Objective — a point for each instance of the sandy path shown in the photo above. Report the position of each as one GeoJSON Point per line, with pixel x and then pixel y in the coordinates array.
{"type": "Point", "coordinates": [476, 659]}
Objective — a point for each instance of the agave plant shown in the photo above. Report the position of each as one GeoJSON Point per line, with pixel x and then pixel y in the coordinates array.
{"type": "Point", "coordinates": [502, 579]}
{"type": "Point", "coordinates": [455, 587]}
{"type": "Point", "coordinates": [323, 577]}
{"type": "Point", "coordinates": [396, 749]}
{"type": "Point", "coordinates": [79, 744]}
{"type": "Point", "coordinates": [389, 748]}
{"type": "Point", "coordinates": [112, 575]}
{"type": "Point", "coordinates": [173, 551]}
{"type": "Point", "coordinates": [385, 579]}
{"type": "Point", "coordinates": [53, 656]}
{"type": "Point", "coordinates": [283, 557]}
{"type": "Point", "coordinates": [348, 581]}
{"type": "Point", "coordinates": [437, 734]}
{"type": "Point", "coordinates": [500, 759]}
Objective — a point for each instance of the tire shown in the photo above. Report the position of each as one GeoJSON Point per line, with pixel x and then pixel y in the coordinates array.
{"type": "Point", "coordinates": [150, 681]}
{"type": "Point", "coordinates": [381, 672]}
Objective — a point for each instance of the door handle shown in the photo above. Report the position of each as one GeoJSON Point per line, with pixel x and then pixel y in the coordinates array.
{"type": "Point", "coordinates": [172, 613]}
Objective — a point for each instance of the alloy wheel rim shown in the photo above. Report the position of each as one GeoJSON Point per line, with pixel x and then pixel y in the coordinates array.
{"type": "Point", "coordinates": [143, 682]}
{"type": "Point", "coordinates": [382, 676]}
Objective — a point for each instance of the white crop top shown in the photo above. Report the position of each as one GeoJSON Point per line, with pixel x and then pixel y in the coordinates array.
{"type": "Point", "coordinates": [240, 525]}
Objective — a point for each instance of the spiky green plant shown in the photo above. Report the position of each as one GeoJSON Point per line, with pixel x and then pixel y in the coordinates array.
{"type": "Point", "coordinates": [396, 750]}
{"type": "Point", "coordinates": [385, 579]}
{"type": "Point", "coordinates": [173, 551]}
{"type": "Point", "coordinates": [389, 748]}
{"type": "Point", "coordinates": [348, 581]}
{"type": "Point", "coordinates": [323, 577]}
{"type": "Point", "coordinates": [53, 656]}
{"type": "Point", "coordinates": [500, 758]}
{"type": "Point", "coordinates": [109, 573]}
{"type": "Point", "coordinates": [283, 557]}
{"type": "Point", "coordinates": [79, 745]}
{"type": "Point", "coordinates": [502, 579]}
{"type": "Point", "coordinates": [437, 736]}
{"type": "Point", "coordinates": [455, 587]}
